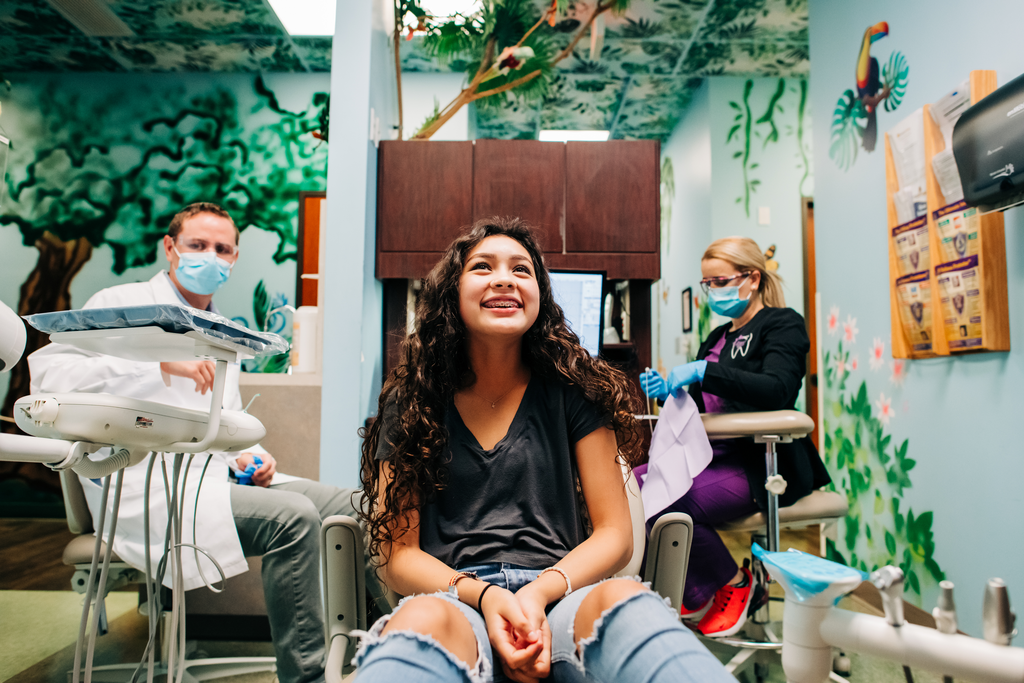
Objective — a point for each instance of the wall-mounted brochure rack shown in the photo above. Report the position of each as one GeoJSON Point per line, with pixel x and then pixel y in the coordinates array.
{"type": "Point", "coordinates": [947, 269]}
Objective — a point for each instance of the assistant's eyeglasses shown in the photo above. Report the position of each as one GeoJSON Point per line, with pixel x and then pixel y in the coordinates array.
{"type": "Point", "coordinates": [710, 283]}
{"type": "Point", "coordinates": [195, 245]}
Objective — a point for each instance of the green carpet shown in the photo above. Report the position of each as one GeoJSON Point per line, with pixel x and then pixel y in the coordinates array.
{"type": "Point", "coordinates": [36, 624]}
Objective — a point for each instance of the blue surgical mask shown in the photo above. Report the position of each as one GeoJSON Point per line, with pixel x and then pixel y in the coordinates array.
{"type": "Point", "coordinates": [726, 301]}
{"type": "Point", "coordinates": [202, 273]}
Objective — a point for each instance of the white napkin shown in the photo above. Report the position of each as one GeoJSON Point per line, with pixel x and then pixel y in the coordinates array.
{"type": "Point", "coordinates": [679, 452]}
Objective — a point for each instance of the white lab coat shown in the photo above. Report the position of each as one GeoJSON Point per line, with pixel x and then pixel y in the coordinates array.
{"type": "Point", "coordinates": [60, 368]}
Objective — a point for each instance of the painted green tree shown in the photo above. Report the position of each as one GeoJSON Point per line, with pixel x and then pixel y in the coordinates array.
{"type": "Point", "coordinates": [115, 170]}
{"type": "Point", "coordinates": [874, 473]}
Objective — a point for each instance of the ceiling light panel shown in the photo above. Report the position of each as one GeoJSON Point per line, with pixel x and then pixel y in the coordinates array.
{"type": "Point", "coordinates": [306, 17]}
{"type": "Point", "coordinates": [574, 135]}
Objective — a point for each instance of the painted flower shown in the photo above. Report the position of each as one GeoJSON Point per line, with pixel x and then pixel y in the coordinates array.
{"type": "Point", "coordinates": [840, 366]}
{"type": "Point", "coordinates": [850, 329]}
{"type": "Point", "coordinates": [899, 372]}
{"type": "Point", "coordinates": [885, 410]}
{"type": "Point", "coordinates": [877, 353]}
{"type": "Point", "coordinates": [853, 364]}
{"type": "Point", "coordinates": [833, 319]}
{"type": "Point", "coordinates": [510, 58]}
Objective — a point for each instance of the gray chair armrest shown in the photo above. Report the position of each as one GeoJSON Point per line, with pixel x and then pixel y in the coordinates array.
{"type": "Point", "coordinates": [341, 550]}
{"type": "Point", "coordinates": [785, 423]}
{"type": "Point", "coordinates": [668, 555]}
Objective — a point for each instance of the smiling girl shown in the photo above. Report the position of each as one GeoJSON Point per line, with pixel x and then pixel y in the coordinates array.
{"type": "Point", "coordinates": [493, 426]}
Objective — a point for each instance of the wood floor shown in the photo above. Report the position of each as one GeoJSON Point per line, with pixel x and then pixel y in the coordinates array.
{"type": "Point", "coordinates": [30, 554]}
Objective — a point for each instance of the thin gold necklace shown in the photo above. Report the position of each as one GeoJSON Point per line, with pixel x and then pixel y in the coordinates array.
{"type": "Point", "coordinates": [494, 403]}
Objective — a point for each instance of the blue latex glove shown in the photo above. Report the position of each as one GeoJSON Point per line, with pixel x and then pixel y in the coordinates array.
{"type": "Point", "coordinates": [683, 375]}
{"type": "Point", "coordinates": [245, 478]}
{"type": "Point", "coordinates": [653, 385]}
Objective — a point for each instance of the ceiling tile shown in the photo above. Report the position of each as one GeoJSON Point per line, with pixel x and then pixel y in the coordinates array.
{"type": "Point", "coordinates": [171, 18]}
{"type": "Point", "coordinates": [33, 18]}
{"type": "Point", "coordinates": [189, 54]}
{"type": "Point", "coordinates": [35, 53]}
{"type": "Point", "coordinates": [315, 51]}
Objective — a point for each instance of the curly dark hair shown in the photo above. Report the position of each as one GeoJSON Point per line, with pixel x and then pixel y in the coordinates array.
{"type": "Point", "coordinates": [434, 364]}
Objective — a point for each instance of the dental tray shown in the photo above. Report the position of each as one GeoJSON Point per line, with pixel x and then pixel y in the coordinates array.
{"type": "Point", "coordinates": [171, 318]}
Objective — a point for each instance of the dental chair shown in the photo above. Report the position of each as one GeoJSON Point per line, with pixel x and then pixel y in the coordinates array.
{"type": "Point", "coordinates": [758, 641]}
{"type": "Point", "coordinates": [97, 436]}
{"type": "Point", "coordinates": [341, 551]}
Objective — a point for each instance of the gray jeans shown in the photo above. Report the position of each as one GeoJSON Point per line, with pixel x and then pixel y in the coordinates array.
{"type": "Point", "coordinates": [282, 523]}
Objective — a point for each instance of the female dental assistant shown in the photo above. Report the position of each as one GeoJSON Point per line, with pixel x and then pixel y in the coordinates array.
{"type": "Point", "coordinates": [754, 362]}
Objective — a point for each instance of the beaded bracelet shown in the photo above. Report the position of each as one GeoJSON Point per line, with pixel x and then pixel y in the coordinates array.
{"type": "Point", "coordinates": [568, 583]}
{"type": "Point", "coordinates": [452, 588]}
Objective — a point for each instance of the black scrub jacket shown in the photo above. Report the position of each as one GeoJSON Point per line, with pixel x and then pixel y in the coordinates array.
{"type": "Point", "coordinates": [761, 367]}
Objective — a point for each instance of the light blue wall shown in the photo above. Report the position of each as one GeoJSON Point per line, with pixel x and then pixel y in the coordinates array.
{"type": "Point", "coordinates": [421, 91]}
{"type": "Point", "coordinates": [709, 179]}
{"type": "Point", "coordinates": [686, 227]}
{"type": "Point", "coordinates": [775, 164]}
{"type": "Point", "coordinates": [959, 415]}
{"type": "Point", "coordinates": [363, 75]}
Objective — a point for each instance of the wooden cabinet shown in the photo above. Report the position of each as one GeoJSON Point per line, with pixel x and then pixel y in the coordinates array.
{"type": "Point", "coordinates": [424, 196]}
{"type": "Point", "coordinates": [524, 178]}
{"type": "Point", "coordinates": [611, 198]}
{"type": "Point", "coordinates": [596, 204]}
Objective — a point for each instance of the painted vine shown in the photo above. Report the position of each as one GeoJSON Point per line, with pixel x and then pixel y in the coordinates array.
{"type": "Point", "coordinates": [873, 471]}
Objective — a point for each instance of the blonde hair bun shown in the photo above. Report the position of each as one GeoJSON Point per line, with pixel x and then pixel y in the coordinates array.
{"type": "Point", "coordinates": [744, 255]}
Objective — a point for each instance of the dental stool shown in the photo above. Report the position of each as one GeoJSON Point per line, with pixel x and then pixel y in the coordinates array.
{"type": "Point", "coordinates": [758, 640]}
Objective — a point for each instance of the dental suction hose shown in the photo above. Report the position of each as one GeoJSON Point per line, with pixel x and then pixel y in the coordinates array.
{"type": "Point", "coordinates": [108, 464]}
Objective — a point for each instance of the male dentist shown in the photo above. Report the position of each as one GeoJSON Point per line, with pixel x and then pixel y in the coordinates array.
{"type": "Point", "coordinates": [277, 516]}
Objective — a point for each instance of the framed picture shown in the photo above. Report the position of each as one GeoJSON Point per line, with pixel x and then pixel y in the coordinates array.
{"type": "Point", "coordinates": [688, 310]}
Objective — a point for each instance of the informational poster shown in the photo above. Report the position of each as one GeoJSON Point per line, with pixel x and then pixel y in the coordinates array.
{"type": "Point", "coordinates": [911, 243]}
{"type": "Point", "coordinates": [914, 294]}
{"type": "Point", "coordinates": [960, 297]}
{"type": "Point", "coordinates": [958, 227]}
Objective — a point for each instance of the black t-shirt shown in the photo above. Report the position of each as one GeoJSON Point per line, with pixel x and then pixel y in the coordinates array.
{"type": "Point", "coordinates": [517, 502]}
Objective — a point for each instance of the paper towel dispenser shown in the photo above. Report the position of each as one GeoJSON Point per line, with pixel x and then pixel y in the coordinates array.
{"type": "Point", "coordinates": [988, 145]}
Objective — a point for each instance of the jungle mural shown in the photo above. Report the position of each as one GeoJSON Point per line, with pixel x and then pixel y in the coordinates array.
{"type": "Point", "coordinates": [855, 119]}
{"type": "Point", "coordinates": [111, 170]}
{"type": "Point", "coordinates": [870, 468]}
{"type": "Point", "coordinates": [748, 128]}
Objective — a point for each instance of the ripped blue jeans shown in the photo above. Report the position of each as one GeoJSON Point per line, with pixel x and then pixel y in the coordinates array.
{"type": "Point", "coordinates": [638, 640]}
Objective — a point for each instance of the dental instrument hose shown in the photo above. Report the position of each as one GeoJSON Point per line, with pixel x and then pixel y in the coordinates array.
{"type": "Point", "coordinates": [102, 588]}
{"type": "Point", "coordinates": [77, 671]}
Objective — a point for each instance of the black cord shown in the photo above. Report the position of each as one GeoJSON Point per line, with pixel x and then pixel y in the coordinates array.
{"type": "Point", "coordinates": [906, 672]}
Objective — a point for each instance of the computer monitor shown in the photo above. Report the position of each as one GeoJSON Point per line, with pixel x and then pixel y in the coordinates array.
{"type": "Point", "coordinates": [579, 295]}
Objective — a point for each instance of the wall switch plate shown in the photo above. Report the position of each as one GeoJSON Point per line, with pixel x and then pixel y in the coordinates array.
{"type": "Point", "coordinates": [764, 215]}
{"type": "Point", "coordinates": [680, 345]}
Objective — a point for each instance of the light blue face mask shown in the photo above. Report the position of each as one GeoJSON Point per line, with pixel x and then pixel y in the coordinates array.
{"type": "Point", "coordinates": [726, 301]}
{"type": "Point", "coordinates": [202, 273]}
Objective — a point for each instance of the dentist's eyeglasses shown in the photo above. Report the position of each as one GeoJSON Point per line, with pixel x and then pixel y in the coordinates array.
{"type": "Point", "coordinates": [194, 245]}
{"type": "Point", "coordinates": [710, 283]}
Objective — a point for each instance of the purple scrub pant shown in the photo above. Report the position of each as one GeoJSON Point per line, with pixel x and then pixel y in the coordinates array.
{"type": "Point", "coordinates": [719, 493]}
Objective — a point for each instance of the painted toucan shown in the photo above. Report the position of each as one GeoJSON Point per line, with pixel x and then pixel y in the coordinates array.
{"type": "Point", "coordinates": [868, 81]}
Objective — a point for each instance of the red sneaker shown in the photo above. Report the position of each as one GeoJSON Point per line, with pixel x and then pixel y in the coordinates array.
{"type": "Point", "coordinates": [729, 609]}
{"type": "Point", "coordinates": [696, 614]}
